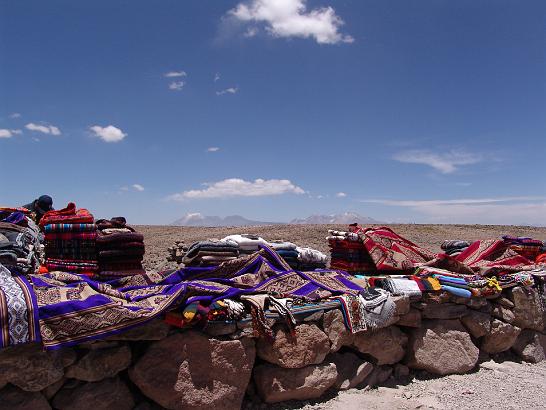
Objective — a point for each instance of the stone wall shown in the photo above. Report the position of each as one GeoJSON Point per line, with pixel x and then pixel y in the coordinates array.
{"type": "Point", "coordinates": [222, 366]}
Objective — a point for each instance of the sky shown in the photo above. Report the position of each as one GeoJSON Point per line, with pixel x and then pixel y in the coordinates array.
{"type": "Point", "coordinates": [429, 111]}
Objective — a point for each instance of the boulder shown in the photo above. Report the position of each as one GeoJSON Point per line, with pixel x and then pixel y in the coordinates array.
{"type": "Point", "coordinates": [402, 304]}
{"type": "Point", "coordinates": [309, 345]}
{"type": "Point", "coordinates": [500, 338]}
{"type": "Point", "coordinates": [528, 309]}
{"type": "Point", "coordinates": [410, 319]}
{"type": "Point", "coordinates": [189, 370]}
{"type": "Point", "coordinates": [503, 313]}
{"type": "Point", "coordinates": [386, 345]}
{"type": "Point", "coordinates": [100, 364]}
{"type": "Point", "coordinates": [335, 329]}
{"type": "Point", "coordinates": [442, 347]}
{"type": "Point", "coordinates": [505, 302]}
{"type": "Point", "coordinates": [52, 389]}
{"type": "Point", "coordinates": [477, 303]}
{"type": "Point", "coordinates": [104, 395]}
{"type": "Point", "coordinates": [530, 346]}
{"type": "Point", "coordinates": [443, 311]}
{"type": "Point", "coordinates": [351, 370]}
{"type": "Point", "coordinates": [30, 368]}
{"type": "Point", "coordinates": [401, 372]}
{"type": "Point", "coordinates": [155, 329]}
{"type": "Point", "coordinates": [379, 374]}
{"type": "Point", "coordinates": [477, 323]}
{"type": "Point", "coordinates": [275, 384]}
{"type": "Point", "coordinates": [220, 328]}
{"type": "Point", "coordinates": [13, 398]}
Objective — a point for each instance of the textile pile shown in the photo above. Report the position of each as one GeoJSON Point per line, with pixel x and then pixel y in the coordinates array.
{"type": "Point", "coordinates": [528, 247]}
{"type": "Point", "coordinates": [454, 247]}
{"type": "Point", "coordinates": [120, 248]}
{"type": "Point", "coordinates": [299, 258]}
{"type": "Point", "coordinates": [70, 240]}
{"type": "Point", "coordinates": [211, 252]}
{"type": "Point", "coordinates": [20, 248]}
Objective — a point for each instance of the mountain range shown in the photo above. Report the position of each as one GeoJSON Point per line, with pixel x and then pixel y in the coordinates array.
{"type": "Point", "coordinates": [198, 219]}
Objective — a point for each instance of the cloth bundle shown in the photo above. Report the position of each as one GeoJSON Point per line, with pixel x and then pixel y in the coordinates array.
{"type": "Point", "coordinates": [299, 258]}
{"type": "Point", "coordinates": [211, 252]}
{"type": "Point", "coordinates": [20, 248]}
{"type": "Point", "coordinates": [248, 243]}
{"type": "Point", "coordinates": [70, 240]}
{"type": "Point", "coordinates": [528, 247]}
{"type": "Point", "coordinates": [454, 247]}
{"type": "Point", "coordinates": [120, 249]}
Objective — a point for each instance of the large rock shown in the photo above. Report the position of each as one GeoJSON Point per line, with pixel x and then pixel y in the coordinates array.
{"type": "Point", "coordinates": [351, 370]}
{"type": "Point", "coordinates": [528, 309]}
{"type": "Point", "coordinates": [335, 329]}
{"type": "Point", "coordinates": [402, 304]}
{"type": "Point", "coordinates": [531, 346]}
{"type": "Point", "coordinates": [13, 398]}
{"type": "Point", "coordinates": [100, 364]}
{"type": "Point", "coordinates": [30, 368]}
{"type": "Point", "coordinates": [477, 323]}
{"type": "Point", "coordinates": [443, 311]}
{"type": "Point", "coordinates": [379, 375]}
{"type": "Point", "coordinates": [309, 345]}
{"type": "Point", "coordinates": [104, 395]}
{"type": "Point", "coordinates": [501, 337]}
{"type": "Point", "coordinates": [386, 345]}
{"type": "Point", "coordinates": [410, 319]}
{"type": "Point", "coordinates": [442, 347]}
{"type": "Point", "coordinates": [275, 384]}
{"type": "Point", "coordinates": [155, 329]}
{"type": "Point", "coordinates": [191, 371]}
{"type": "Point", "coordinates": [503, 313]}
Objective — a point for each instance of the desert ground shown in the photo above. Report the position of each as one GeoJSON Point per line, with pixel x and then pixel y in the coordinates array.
{"type": "Point", "coordinates": [507, 384]}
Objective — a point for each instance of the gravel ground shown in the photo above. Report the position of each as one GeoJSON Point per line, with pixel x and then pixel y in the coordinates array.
{"type": "Point", "coordinates": [159, 238]}
{"type": "Point", "coordinates": [506, 385]}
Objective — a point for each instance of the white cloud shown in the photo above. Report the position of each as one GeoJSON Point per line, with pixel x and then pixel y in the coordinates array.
{"type": "Point", "coordinates": [4, 133]}
{"type": "Point", "coordinates": [174, 74]}
{"type": "Point", "coordinates": [216, 77]}
{"type": "Point", "coordinates": [213, 149]}
{"type": "Point", "coordinates": [176, 85]}
{"type": "Point", "coordinates": [230, 90]}
{"type": "Point", "coordinates": [138, 187]}
{"type": "Point", "coordinates": [446, 163]}
{"type": "Point", "coordinates": [16, 132]}
{"type": "Point", "coordinates": [233, 187]}
{"type": "Point", "coordinates": [251, 32]}
{"type": "Point", "coordinates": [15, 115]}
{"type": "Point", "coordinates": [124, 188]}
{"type": "Point", "coordinates": [109, 133]}
{"type": "Point", "coordinates": [291, 18]}
{"type": "Point", "coordinates": [502, 210]}
{"type": "Point", "coordinates": [341, 194]}
{"type": "Point", "coordinates": [45, 129]}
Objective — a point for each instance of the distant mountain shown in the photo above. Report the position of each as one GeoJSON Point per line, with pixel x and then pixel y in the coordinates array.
{"type": "Point", "coordinates": [344, 218]}
{"type": "Point", "coordinates": [198, 219]}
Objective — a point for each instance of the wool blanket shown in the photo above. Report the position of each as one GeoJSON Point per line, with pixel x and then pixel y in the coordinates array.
{"type": "Point", "coordinates": [65, 227]}
{"type": "Point", "coordinates": [68, 215]}
{"type": "Point", "coordinates": [18, 310]}
{"type": "Point", "coordinates": [74, 309]}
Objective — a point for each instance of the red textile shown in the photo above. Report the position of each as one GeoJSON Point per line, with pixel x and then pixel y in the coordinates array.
{"type": "Point", "coordinates": [67, 215]}
{"type": "Point", "coordinates": [541, 258]}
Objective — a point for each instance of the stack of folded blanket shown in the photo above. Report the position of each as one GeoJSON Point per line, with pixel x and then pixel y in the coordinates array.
{"type": "Point", "coordinates": [286, 250]}
{"type": "Point", "coordinates": [120, 248]}
{"type": "Point", "coordinates": [70, 240]}
{"type": "Point", "coordinates": [347, 252]}
{"type": "Point", "coordinates": [20, 248]}
{"type": "Point", "coordinates": [454, 247]}
{"type": "Point", "coordinates": [211, 252]}
{"type": "Point", "coordinates": [310, 259]}
{"type": "Point", "coordinates": [528, 247]}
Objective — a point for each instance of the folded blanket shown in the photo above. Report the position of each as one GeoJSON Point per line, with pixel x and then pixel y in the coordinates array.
{"type": "Point", "coordinates": [282, 245]}
{"type": "Point", "coordinates": [65, 227]}
{"type": "Point", "coordinates": [120, 253]}
{"type": "Point", "coordinates": [118, 237]}
{"type": "Point", "coordinates": [309, 255]}
{"type": "Point", "coordinates": [247, 242]}
{"type": "Point", "coordinates": [67, 215]}
{"type": "Point", "coordinates": [115, 222]}
{"type": "Point", "coordinates": [71, 236]}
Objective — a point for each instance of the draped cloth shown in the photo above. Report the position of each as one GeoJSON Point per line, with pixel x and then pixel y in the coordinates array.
{"type": "Point", "coordinates": [18, 313]}
{"type": "Point", "coordinates": [73, 309]}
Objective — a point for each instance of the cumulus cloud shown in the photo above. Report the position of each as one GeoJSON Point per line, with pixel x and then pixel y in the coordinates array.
{"type": "Point", "coordinates": [108, 133]}
{"type": "Point", "coordinates": [341, 194]}
{"type": "Point", "coordinates": [292, 18]}
{"type": "Point", "coordinates": [234, 187]}
{"type": "Point", "coordinates": [43, 128]}
{"type": "Point", "coordinates": [174, 74]}
{"type": "Point", "coordinates": [251, 32]}
{"type": "Point", "coordinates": [501, 210]}
{"type": "Point", "coordinates": [446, 163]}
{"type": "Point", "coordinates": [15, 115]}
{"type": "Point", "coordinates": [213, 149]}
{"type": "Point", "coordinates": [216, 77]}
{"type": "Point", "coordinates": [138, 187]}
{"type": "Point", "coordinates": [176, 85]}
{"type": "Point", "coordinates": [230, 90]}
{"type": "Point", "coordinates": [5, 133]}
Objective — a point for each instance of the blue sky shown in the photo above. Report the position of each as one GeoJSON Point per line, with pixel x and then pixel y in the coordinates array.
{"type": "Point", "coordinates": [423, 111]}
